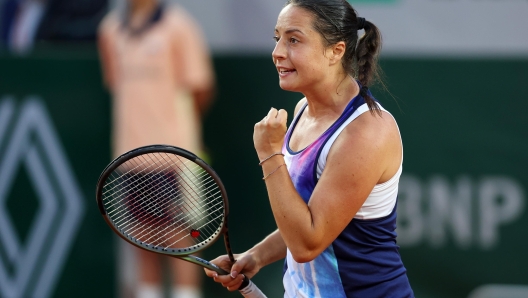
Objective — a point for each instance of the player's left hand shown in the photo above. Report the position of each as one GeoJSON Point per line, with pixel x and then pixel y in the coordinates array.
{"type": "Point", "coordinates": [269, 133]}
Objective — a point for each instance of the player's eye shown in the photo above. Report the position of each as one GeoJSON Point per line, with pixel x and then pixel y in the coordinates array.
{"type": "Point", "coordinates": [276, 38]}
{"type": "Point", "coordinates": [293, 40]}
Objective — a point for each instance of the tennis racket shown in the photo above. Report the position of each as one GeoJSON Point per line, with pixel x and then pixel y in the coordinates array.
{"type": "Point", "coordinates": [166, 200]}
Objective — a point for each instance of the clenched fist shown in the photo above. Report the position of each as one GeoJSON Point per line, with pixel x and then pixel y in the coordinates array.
{"type": "Point", "coordinates": [269, 133]}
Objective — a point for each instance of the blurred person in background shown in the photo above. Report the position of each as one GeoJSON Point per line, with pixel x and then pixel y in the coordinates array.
{"type": "Point", "coordinates": [72, 21]}
{"type": "Point", "coordinates": [20, 22]}
{"type": "Point", "coordinates": [24, 23]}
{"type": "Point", "coordinates": [157, 67]}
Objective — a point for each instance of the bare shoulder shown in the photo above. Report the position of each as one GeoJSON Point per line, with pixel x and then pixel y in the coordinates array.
{"type": "Point", "coordinates": [376, 142]}
{"type": "Point", "coordinates": [377, 133]}
{"type": "Point", "coordinates": [374, 125]}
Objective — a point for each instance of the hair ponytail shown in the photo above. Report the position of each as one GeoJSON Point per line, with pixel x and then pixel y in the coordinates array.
{"type": "Point", "coordinates": [366, 56]}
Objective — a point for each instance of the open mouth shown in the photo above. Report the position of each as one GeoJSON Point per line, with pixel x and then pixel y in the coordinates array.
{"type": "Point", "coordinates": [284, 71]}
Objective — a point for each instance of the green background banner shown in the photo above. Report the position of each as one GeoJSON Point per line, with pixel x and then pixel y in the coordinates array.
{"type": "Point", "coordinates": [462, 205]}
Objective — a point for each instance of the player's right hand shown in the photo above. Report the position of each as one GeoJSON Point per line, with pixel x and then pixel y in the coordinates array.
{"type": "Point", "coordinates": [245, 265]}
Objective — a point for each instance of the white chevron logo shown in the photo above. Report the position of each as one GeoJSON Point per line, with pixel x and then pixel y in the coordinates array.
{"type": "Point", "coordinates": [30, 267]}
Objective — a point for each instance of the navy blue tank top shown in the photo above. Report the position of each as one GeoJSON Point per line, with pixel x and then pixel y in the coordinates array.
{"type": "Point", "coordinates": [364, 260]}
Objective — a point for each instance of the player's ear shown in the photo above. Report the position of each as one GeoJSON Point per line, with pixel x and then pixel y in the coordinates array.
{"type": "Point", "coordinates": [336, 52]}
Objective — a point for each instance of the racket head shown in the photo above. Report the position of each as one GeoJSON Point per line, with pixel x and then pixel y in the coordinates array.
{"type": "Point", "coordinates": [163, 199]}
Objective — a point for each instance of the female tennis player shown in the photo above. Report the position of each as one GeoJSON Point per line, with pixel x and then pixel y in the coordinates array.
{"type": "Point", "coordinates": [332, 177]}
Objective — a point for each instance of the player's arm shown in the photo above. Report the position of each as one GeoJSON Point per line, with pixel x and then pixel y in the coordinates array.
{"type": "Point", "coordinates": [269, 250]}
{"type": "Point", "coordinates": [193, 59]}
{"type": "Point", "coordinates": [104, 44]}
{"type": "Point", "coordinates": [356, 162]}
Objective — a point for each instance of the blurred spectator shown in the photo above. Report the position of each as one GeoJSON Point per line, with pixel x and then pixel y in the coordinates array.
{"type": "Point", "coordinates": [67, 20]}
{"type": "Point", "coordinates": [20, 22]}
{"type": "Point", "coordinates": [158, 70]}
{"type": "Point", "coordinates": [25, 21]}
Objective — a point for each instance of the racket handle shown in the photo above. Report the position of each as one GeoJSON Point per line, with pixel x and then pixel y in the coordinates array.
{"type": "Point", "coordinates": [249, 290]}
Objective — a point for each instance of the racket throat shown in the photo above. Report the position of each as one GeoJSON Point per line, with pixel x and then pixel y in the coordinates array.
{"type": "Point", "coordinates": [203, 263]}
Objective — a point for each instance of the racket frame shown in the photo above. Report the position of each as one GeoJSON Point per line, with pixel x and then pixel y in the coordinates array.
{"type": "Point", "coordinates": [184, 254]}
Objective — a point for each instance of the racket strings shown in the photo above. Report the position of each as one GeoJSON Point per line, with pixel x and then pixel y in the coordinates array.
{"type": "Point", "coordinates": [119, 176]}
{"type": "Point", "coordinates": [164, 238]}
{"type": "Point", "coordinates": [191, 179]}
{"type": "Point", "coordinates": [139, 186]}
{"type": "Point", "coordinates": [162, 198]}
{"type": "Point", "coordinates": [182, 238]}
{"type": "Point", "coordinates": [179, 224]}
{"type": "Point", "coordinates": [138, 189]}
{"type": "Point", "coordinates": [166, 200]}
{"type": "Point", "coordinates": [144, 164]}
{"type": "Point", "coordinates": [187, 218]}
{"type": "Point", "coordinates": [162, 190]}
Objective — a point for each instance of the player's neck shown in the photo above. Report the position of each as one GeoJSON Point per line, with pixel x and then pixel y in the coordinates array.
{"type": "Point", "coordinates": [323, 102]}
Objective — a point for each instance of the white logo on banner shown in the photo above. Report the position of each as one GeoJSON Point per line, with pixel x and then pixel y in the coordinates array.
{"type": "Point", "coordinates": [32, 143]}
{"type": "Point", "coordinates": [470, 211]}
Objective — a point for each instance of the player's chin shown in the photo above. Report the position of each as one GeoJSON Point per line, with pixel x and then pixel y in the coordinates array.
{"type": "Point", "coordinates": [286, 85]}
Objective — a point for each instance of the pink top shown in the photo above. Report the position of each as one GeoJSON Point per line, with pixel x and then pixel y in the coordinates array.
{"type": "Point", "coordinates": [151, 78]}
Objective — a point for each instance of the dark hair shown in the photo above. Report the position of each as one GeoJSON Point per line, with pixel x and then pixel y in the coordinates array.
{"type": "Point", "coordinates": [336, 20]}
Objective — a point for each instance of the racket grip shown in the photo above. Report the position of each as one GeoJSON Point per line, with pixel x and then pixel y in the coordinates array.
{"type": "Point", "coordinates": [249, 290]}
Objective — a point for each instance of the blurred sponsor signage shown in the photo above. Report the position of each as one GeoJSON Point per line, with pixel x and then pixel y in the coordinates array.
{"type": "Point", "coordinates": [466, 212]}
{"type": "Point", "coordinates": [31, 258]}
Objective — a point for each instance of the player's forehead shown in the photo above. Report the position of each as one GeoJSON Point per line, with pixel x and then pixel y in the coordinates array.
{"type": "Point", "coordinates": [294, 18]}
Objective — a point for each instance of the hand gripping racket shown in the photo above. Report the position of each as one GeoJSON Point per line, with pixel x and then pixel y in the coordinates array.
{"type": "Point", "coordinates": [166, 200]}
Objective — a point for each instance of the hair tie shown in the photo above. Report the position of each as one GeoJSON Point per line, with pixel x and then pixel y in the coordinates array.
{"type": "Point", "coordinates": [361, 23]}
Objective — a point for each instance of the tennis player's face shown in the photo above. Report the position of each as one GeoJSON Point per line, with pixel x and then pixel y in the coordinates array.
{"type": "Point", "coordinates": [299, 52]}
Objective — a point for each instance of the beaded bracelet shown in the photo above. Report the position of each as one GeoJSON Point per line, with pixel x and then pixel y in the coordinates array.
{"type": "Point", "coordinates": [262, 161]}
{"type": "Point", "coordinates": [264, 178]}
